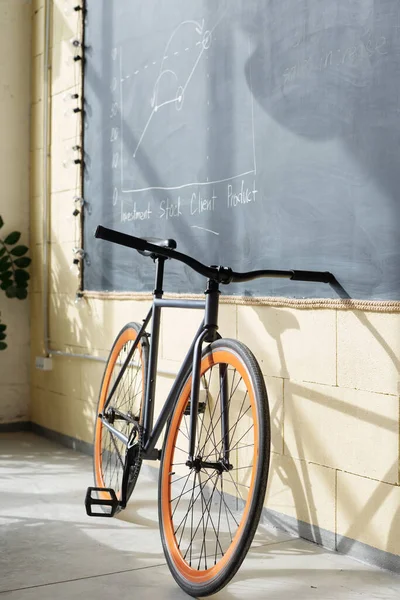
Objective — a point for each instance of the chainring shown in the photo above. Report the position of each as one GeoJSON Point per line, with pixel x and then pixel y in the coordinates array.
{"type": "Point", "coordinates": [133, 462]}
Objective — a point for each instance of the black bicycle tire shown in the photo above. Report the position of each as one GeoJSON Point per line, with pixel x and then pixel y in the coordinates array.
{"type": "Point", "coordinates": [145, 357]}
{"type": "Point", "coordinates": [260, 484]}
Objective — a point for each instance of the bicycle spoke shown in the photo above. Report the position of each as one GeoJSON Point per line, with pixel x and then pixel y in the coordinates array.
{"type": "Point", "coordinates": [177, 504]}
{"type": "Point", "coordinates": [234, 426]}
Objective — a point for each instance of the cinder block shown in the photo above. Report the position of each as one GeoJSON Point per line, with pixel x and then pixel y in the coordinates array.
{"type": "Point", "coordinates": [91, 325]}
{"type": "Point", "coordinates": [119, 313]}
{"type": "Point", "coordinates": [14, 361]}
{"type": "Point", "coordinates": [64, 26]}
{"type": "Point", "coordinates": [302, 490]}
{"type": "Point", "coordinates": [67, 415]}
{"type": "Point", "coordinates": [64, 379]}
{"type": "Point", "coordinates": [65, 227]}
{"type": "Point", "coordinates": [65, 323]}
{"type": "Point", "coordinates": [80, 420]}
{"type": "Point", "coordinates": [46, 408]}
{"type": "Point", "coordinates": [14, 171]}
{"type": "Point", "coordinates": [15, 121]}
{"type": "Point", "coordinates": [64, 74]}
{"type": "Point", "coordinates": [368, 511]}
{"type": "Point", "coordinates": [295, 344]}
{"type": "Point", "coordinates": [275, 399]}
{"type": "Point", "coordinates": [64, 178]}
{"type": "Point", "coordinates": [342, 428]}
{"type": "Point", "coordinates": [91, 377]}
{"type": "Point", "coordinates": [15, 313]}
{"type": "Point", "coordinates": [65, 125]}
{"type": "Point", "coordinates": [368, 351]}
{"type": "Point", "coordinates": [14, 402]}
{"type": "Point", "coordinates": [179, 328]}
{"type": "Point", "coordinates": [62, 279]}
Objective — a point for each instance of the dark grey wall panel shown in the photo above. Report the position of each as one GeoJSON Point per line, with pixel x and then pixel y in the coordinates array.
{"type": "Point", "coordinates": [258, 133]}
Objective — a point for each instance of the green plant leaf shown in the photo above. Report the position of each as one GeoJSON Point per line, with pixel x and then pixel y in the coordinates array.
{"type": "Point", "coordinates": [19, 250]}
{"type": "Point", "coordinates": [12, 238]}
{"type": "Point", "coordinates": [3, 346]}
{"type": "Point", "coordinates": [1, 222]}
{"type": "Point", "coordinates": [11, 292]}
{"type": "Point", "coordinates": [2, 336]}
{"type": "Point", "coordinates": [22, 262]}
{"type": "Point", "coordinates": [2, 251]}
{"type": "Point", "coordinates": [21, 293]}
{"type": "Point", "coordinates": [21, 275]}
{"type": "Point", "coordinates": [3, 327]}
{"type": "Point", "coordinates": [5, 264]}
{"type": "Point", "coordinates": [6, 275]}
{"type": "Point", "coordinates": [6, 285]}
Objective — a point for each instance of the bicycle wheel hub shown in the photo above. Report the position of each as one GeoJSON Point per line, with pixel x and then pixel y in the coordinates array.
{"type": "Point", "coordinates": [198, 464]}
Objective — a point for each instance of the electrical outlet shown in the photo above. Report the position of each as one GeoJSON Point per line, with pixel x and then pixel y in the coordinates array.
{"type": "Point", "coordinates": [44, 363]}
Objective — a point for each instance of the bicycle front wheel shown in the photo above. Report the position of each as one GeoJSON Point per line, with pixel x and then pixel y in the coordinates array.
{"type": "Point", "coordinates": [209, 508]}
{"type": "Point", "coordinates": [123, 412]}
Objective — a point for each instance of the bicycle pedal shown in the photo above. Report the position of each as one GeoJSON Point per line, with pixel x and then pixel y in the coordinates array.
{"type": "Point", "coordinates": [201, 410]}
{"type": "Point", "coordinates": [111, 503]}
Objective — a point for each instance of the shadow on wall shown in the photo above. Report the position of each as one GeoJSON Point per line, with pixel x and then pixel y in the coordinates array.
{"type": "Point", "coordinates": [331, 75]}
{"type": "Point", "coordinates": [303, 444]}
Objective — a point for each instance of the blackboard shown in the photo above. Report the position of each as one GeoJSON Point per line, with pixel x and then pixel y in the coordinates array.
{"type": "Point", "coordinates": [257, 133]}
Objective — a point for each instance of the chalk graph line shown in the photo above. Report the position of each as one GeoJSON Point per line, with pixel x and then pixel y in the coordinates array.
{"type": "Point", "coordinates": [186, 185]}
{"type": "Point", "coordinates": [204, 229]}
{"type": "Point", "coordinates": [205, 44]}
{"type": "Point", "coordinates": [180, 93]}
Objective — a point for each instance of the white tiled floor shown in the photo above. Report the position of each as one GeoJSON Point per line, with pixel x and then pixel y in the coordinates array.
{"type": "Point", "coordinates": [50, 549]}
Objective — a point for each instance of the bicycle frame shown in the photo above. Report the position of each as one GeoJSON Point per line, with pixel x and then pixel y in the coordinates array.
{"type": "Point", "coordinates": [207, 332]}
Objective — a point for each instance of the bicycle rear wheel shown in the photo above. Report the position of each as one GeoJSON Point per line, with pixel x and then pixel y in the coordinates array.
{"type": "Point", "coordinates": [123, 412]}
{"type": "Point", "coordinates": [209, 510]}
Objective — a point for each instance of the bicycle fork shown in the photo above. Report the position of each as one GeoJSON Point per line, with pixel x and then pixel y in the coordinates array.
{"type": "Point", "coordinates": [209, 334]}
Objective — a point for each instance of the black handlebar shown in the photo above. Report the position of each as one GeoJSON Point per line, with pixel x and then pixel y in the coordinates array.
{"type": "Point", "coordinates": [219, 274]}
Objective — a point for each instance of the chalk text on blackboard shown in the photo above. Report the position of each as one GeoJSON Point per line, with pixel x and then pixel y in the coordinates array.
{"type": "Point", "coordinates": [169, 209]}
{"type": "Point", "coordinates": [244, 195]}
{"type": "Point", "coordinates": [137, 215]}
{"type": "Point", "coordinates": [200, 203]}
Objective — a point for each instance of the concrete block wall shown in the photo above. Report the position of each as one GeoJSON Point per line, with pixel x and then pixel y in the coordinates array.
{"type": "Point", "coordinates": [332, 374]}
{"type": "Point", "coordinates": [15, 81]}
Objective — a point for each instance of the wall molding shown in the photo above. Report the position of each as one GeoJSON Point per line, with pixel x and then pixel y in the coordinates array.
{"type": "Point", "coordinates": [380, 306]}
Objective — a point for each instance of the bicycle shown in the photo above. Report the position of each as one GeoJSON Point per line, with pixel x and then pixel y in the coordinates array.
{"type": "Point", "coordinates": [214, 460]}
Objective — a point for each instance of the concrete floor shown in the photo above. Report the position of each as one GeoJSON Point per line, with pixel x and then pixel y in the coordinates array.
{"type": "Point", "coordinates": [50, 549]}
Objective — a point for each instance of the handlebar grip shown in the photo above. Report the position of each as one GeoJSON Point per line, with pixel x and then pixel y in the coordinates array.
{"type": "Point", "coordinates": [317, 276]}
{"type": "Point", "coordinates": [110, 235]}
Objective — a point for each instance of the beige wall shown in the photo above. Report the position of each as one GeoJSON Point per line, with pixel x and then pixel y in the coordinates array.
{"type": "Point", "coordinates": [15, 40]}
{"type": "Point", "coordinates": [332, 374]}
